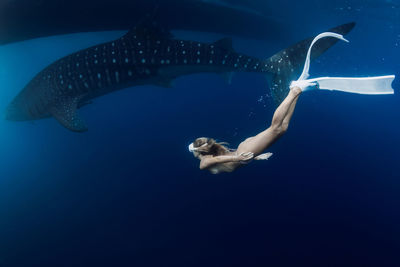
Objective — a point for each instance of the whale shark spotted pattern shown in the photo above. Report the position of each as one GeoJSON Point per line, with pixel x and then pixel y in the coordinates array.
{"type": "Point", "coordinates": [145, 55]}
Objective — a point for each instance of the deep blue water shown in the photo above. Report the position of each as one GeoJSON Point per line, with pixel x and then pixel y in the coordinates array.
{"type": "Point", "coordinates": [128, 193]}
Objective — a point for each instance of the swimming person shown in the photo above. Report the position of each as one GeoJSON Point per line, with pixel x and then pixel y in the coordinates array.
{"type": "Point", "coordinates": [216, 157]}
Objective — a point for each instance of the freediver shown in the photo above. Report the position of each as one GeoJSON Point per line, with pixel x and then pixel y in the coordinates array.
{"type": "Point", "coordinates": [217, 157]}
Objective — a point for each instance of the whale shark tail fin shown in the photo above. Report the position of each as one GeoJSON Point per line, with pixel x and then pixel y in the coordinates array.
{"type": "Point", "coordinates": [287, 64]}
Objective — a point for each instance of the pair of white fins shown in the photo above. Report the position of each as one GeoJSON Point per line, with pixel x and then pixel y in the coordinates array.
{"type": "Point", "coordinates": [378, 85]}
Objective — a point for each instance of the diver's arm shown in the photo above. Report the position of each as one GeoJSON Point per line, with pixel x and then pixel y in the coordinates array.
{"type": "Point", "coordinates": [207, 162]}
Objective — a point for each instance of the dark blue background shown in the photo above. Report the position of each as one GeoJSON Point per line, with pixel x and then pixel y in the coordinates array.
{"type": "Point", "coordinates": [128, 193]}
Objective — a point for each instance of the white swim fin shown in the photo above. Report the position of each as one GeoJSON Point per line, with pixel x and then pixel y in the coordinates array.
{"type": "Point", "coordinates": [264, 156]}
{"type": "Point", "coordinates": [378, 85]}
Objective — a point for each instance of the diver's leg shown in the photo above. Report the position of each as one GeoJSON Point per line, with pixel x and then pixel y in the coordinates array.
{"type": "Point", "coordinates": [257, 144]}
{"type": "Point", "coordinates": [285, 110]}
{"type": "Point", "coordinates": [286, 120]}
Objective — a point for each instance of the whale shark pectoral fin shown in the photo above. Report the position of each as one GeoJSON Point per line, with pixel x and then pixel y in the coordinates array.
{"type": "Point", "coordinates": [65, 112]}
{"type": "Point", "coordinates": [227, 76]}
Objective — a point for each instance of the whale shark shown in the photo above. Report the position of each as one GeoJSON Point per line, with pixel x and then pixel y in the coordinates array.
{"type": "Point", "coordinates": [146, 55]}
{"type": "Point", "coordinates": [27, 19]}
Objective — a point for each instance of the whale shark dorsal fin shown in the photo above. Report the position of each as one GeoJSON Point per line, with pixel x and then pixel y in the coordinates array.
{"type": "Point", "coordinates": [225, 43]}
{"type": "Point", "coordinates": [148, 30]}
{"type": "Point", "coordinates": [65, 112]}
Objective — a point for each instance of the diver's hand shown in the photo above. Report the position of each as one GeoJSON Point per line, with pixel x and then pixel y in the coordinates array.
{"type": "Point", "coordinates": [304, 85]}
{"type": "Point", "coordinates": [245, 157]}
